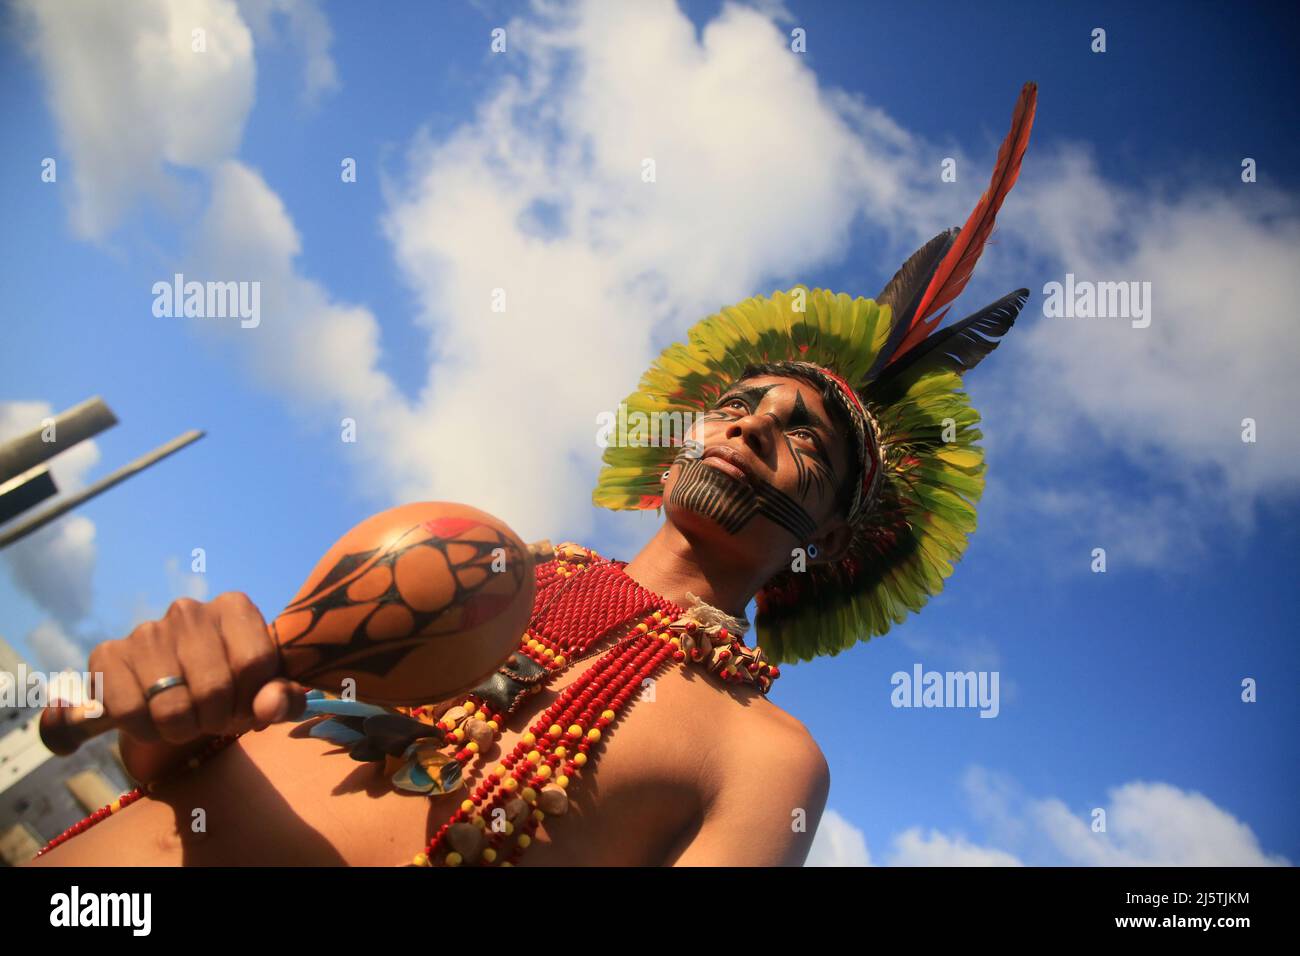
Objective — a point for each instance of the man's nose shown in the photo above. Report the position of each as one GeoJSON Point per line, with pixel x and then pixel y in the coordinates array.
{"type": "Point", "coordinates": [755, 430]}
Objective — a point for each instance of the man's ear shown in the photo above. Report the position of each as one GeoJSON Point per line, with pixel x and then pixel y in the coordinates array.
{"type": "Point", "coordinates": [833, 545]}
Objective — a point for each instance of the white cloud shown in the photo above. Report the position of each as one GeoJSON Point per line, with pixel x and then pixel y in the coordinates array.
{"type": "Point", "coordinates": [185, 583]}
{"type": "Point", "coordinates": [1147, 824]}
{"type": "Point", "coordinates": [1170, 399]}
{"type": "Point", "coordinates": [54, 649]}
{"type": "Point", "coordinates": [55, 567]}
{"type": "Point", "coordinates": [912, 847]}
{"type": "Point", "coordinates": [541, 196]}
{"type": "Point", "coordinates": [309, 30]}
{"type": "Point", "coordinates": [320, 354]}
{"type": "Point", "coordinates": [1153, 824]}
{"type": "Point", "coordinates": [131, 95]}
{"type": "Point", "coordinates": [838, 842]}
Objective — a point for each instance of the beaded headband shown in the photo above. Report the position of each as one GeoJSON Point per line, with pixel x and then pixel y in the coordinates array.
{"type": "Point", "coordinates": [866, 437]}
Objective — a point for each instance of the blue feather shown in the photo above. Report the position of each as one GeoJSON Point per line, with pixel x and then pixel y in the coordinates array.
{"type": "Point", "coordinates": [411, 776]}
{"type": "Point", "coordinates": [352, 708]}
{"type": "Point", "coordinates": [336, 732]}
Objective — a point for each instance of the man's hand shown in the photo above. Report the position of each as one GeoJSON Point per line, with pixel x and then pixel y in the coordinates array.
{"type": "Point", "coordinates": [227, 659]}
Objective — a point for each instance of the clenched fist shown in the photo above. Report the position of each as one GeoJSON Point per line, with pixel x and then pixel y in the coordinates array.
{"type": "Point", "coordinates": [226, 658]}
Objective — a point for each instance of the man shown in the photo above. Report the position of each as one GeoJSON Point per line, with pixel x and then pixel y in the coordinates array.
{"type": "Point", "coordinates": [691, 778]}
{"type": "Point", "coordinates": [831, 476]}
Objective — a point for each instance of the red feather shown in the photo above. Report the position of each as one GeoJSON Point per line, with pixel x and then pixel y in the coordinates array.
{"type": "Point", "coordinates": [956, 268]}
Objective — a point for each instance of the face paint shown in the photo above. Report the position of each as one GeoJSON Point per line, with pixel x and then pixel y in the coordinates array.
{"type": "Point", "coordinates": [811, 468]}
{"type": "Point", "coordinates": [732, 503]}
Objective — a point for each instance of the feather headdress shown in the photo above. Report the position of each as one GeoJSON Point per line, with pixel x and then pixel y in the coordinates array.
{"type": "Point", "coordinates": [923, 472]}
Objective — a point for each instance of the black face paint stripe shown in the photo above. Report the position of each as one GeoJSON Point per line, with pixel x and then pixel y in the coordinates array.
{"type": "Point", "coordinates": [808, 469]}
{"type": "Point", "coordinates": [804, 417]}
{"type": "Point", "coordinates": [786, 512]}
{"type": "Point", "coordinates": [713, 494]}
{"type": "Point", "coordinates": [752, 394]}
{"type": "Point", "coordinates": [700, 490]}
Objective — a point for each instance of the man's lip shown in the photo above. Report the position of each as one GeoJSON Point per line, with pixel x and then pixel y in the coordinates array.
{"type": "Point", "coordinates": [727, 463]}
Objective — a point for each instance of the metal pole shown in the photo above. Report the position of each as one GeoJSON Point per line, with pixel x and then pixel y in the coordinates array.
{"type": "Point", "coordinates": [75, 425]}
{"type": "Point", "coordinates": [126, 471]}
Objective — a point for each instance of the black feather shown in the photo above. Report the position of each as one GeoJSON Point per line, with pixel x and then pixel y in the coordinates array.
{"type": "Point", "coordinates": [903, 292]}
{"type": "Point", "coordinates": [393, 733]}
{"type": "Point", "coordinates": [961, 346]}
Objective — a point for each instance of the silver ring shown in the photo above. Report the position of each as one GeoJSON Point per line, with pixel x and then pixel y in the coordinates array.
{"type": "Point", "coordinates": [162, 684]}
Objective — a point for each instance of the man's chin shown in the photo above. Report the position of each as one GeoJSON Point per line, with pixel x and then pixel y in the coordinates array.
{"type": "Point", "coordinates": [706, 531]}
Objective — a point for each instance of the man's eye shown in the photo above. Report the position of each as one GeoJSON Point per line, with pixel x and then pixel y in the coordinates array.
{"type": "Point", "coordinates": [811, 436]}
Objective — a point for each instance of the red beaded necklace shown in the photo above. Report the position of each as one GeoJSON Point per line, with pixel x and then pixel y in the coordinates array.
{"type": "Point", "coordinates": [582, 599]}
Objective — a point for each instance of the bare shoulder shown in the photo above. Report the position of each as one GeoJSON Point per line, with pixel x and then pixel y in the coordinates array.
{"type": "Point", "coordinates": [774, 737]}
{"type": "Point", "coordinates": [764, 795]}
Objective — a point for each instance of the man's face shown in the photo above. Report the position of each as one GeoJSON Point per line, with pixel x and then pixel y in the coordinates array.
{"type": "Point", "coordinates": [770, 473]}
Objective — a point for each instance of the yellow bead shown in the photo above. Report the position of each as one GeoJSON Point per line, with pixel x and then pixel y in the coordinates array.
{"type": "Point", "coordinates": [560, 751]}
{"type": "Point", "coordinates": [539, 815]}
{"type": "Point", "coordinates": [420, 860]}
{"type": "Point", "coordinates": [561, 660]}
{"type": "Point", "coordinates": [553, 730]}
{"type": "Point", "coordinates": [528, 794]}
{"type": "Point", "coordinates": [524, 840]}
{"type": "Point", "coordinates": [593, 734]}
{"type": "Point", "coordinates": [510, 828]}
{"type": "Point", "coordinates": [548, 653]}
{"type": "Point", "coordinates": [115, 806]}
{"type": "Point", "coordinates": [510, 783]}
{"type": "Point", "coordinates": [467, 806]}
{"type": "Point", "coordinates": [643, 627]}
{"type": "Point", "coordinates": [607, 714]}
{"type": "Point", "coordinates": [544, 770]}
{"type": "Point", "coordinates": [500, 770]}
{"type": "Point", "coordinates": [472, 747]}
{"type": "Point", "coordinates": [454, 858]}
{"type": "Point", "coordinates": [575, 729]}
{"type": "Point", "coordinates": [506, 863]}
{"type": "Point", "coordinates": [458, 734]}
{"type": "Point", "coordinates": [534, 756]}
{"type": "Point", "coordinates": [494, 725]}
{"type": "Point", "coordinates": [480, 823]}
{"type": "Point", "coordinates": [489, 854]}
{"type": "Point", "coordinates": [529, 738]}
{"type": "Point", "coordinates": [562, 780]}
{"type": "Point", "coordinates": [580, 759]}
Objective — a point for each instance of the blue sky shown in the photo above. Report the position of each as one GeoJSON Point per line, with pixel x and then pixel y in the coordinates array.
{"type": "Point", "coordinates": [1120, 690]}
